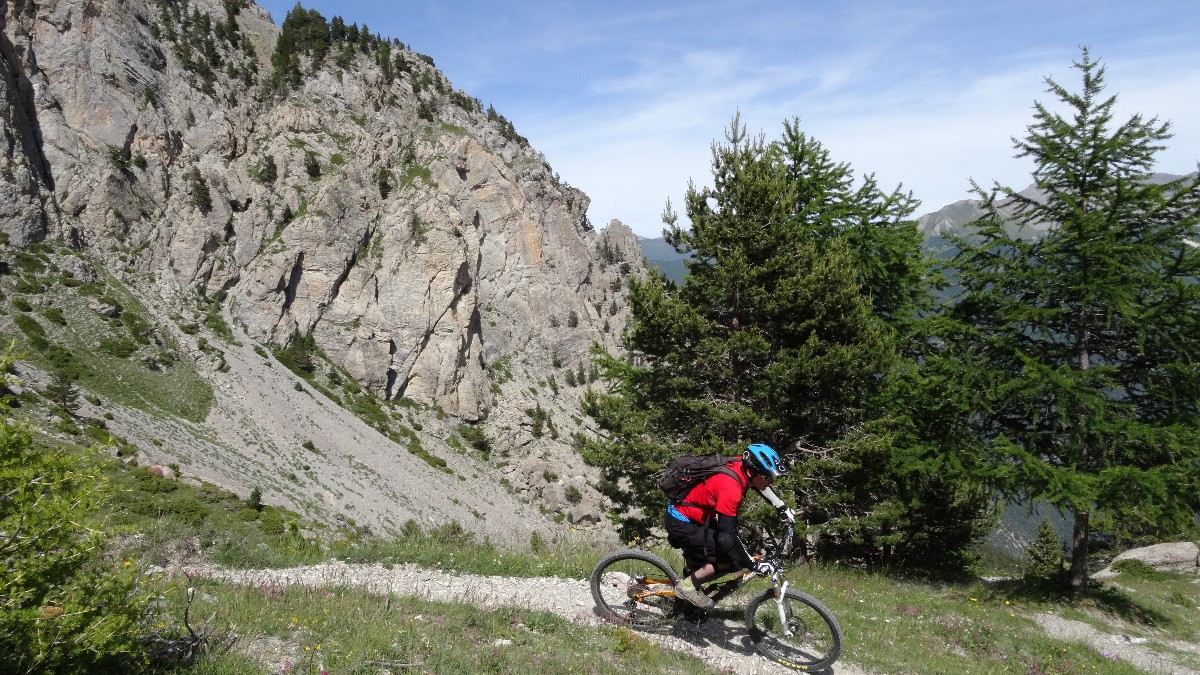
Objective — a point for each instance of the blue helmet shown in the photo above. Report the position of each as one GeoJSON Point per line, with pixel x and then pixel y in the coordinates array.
{"type": "Point", "coordinates": [764, 459]}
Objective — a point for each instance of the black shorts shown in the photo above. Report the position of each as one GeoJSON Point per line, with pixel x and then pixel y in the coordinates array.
{"type": "Point", "coordinates": [697, 542]}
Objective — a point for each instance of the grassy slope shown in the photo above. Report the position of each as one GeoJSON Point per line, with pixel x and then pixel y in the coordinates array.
{"type": "Point", "coordinates": [892, 625]}
{"type": "Point", "coordinates": [100, 333]}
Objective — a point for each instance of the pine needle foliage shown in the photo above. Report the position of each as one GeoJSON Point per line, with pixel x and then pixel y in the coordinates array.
{"type": "Point", "coordinates": [801, 287]}
{"type": "Point", "coordinates": [1078, 348]}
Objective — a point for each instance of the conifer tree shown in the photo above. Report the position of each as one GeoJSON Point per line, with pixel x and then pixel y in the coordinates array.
{"type": "Point", "coordinates": [1043, 557]}
{"type": "Point", "coordinates": [1079, 347]}
{"type": "Point", "coordinates": [786, 329]}
{"type": "Point", "coordinates": [62, 392]}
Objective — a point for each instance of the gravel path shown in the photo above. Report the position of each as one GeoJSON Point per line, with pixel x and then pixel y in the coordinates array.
{"type": "Point", "coordinates": [721, 644]}
{"type": "Point", "coordinates": [1136, 651]}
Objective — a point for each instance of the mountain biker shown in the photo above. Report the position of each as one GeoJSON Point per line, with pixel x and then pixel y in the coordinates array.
{"type": "Point", "coordinates": [703, 526]}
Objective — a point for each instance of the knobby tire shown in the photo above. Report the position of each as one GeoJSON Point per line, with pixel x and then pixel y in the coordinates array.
{"type": "Point", "coordinates": [635, 588]}
{"type": "Point", "coordinates": [817, 639]}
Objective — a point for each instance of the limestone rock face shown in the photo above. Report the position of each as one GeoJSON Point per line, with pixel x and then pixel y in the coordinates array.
{"type": "Point", "coordinates": [416, 251]}
{"type": "Point", "coordinates": [424, 246]}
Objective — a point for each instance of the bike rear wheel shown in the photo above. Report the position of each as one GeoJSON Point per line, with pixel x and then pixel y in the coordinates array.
{"type": "Point", "coordinates": [805, 637]}
{"type": "Point", "coordinates": [635, 588]}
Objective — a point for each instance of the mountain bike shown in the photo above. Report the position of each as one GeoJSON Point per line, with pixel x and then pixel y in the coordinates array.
{"type": "Point", "coordinates": [636, 588]}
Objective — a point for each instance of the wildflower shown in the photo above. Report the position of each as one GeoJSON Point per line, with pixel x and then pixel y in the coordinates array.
{"type": "Point", "coordinates": [128, 564]}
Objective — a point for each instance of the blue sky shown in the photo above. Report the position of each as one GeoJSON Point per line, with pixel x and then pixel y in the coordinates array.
{"type": "Point", "coordinates": [625, 98]}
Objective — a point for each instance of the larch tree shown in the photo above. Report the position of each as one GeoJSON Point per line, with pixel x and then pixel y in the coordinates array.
{"type": "Point", "coordinates": [1080, 347]}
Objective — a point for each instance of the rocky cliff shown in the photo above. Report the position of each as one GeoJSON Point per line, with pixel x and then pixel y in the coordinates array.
{"type": "Point", "coordinates": [360, 204]}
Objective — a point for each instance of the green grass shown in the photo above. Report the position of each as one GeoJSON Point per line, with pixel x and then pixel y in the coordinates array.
{"type": "Point", "coordinates": [346, 631]}
{"type": "Point", "coordinates": [891, 624]}
{"type": "Point", "coordinates": [898, 626]}
{"type": "Point", "coordinates": [172, 516]}
{"type": "Point", "coordinates": [123, 358]}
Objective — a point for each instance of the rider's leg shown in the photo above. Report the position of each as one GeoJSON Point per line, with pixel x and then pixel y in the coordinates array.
{"type": "Point", "coordinates": [709, 572]}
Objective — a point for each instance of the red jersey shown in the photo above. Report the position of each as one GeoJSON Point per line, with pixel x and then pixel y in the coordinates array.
{"type": "Point", "coordinates": [719, 493]}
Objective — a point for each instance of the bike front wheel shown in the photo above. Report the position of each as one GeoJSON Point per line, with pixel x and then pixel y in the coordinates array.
{"type": "Point", "coordinates": [798, 632]}
{"type": "Point", "coordinates": [635, 588]}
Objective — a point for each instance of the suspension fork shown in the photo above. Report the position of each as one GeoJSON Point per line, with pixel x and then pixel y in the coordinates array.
{"type": "Point", "coordinates": [782, 607]}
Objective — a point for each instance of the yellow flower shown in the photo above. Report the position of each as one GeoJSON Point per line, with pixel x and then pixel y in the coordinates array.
{"type": "Point", "coordinates": [974, 599]}
{"type": "Point", "coordinates": [128, 563]}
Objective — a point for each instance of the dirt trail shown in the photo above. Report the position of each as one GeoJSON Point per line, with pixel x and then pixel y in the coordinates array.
{"type": "Point", "coordinates": [721, 644]}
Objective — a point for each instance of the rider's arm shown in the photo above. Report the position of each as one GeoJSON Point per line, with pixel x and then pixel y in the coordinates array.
{"type": "Point", "coordinates": [729, 542]}
{"type": "Point", "coordinates": [781, 506]}
{"type": "Point", "coordinates": [769, 495]}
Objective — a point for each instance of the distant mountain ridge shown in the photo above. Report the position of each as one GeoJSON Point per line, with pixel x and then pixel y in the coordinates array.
{"type": "Point", "coordinates": [936, 227]}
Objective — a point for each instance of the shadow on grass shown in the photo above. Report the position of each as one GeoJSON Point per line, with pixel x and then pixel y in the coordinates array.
{"type": "Point", "coordinates": [1100, 596]}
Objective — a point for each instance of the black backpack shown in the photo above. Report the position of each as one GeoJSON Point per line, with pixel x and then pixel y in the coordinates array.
{"type": "Point", "coordinates": [685, 473]}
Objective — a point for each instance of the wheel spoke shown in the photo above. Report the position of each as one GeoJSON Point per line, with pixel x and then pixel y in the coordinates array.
{"type": "Point", "coordinates": [634, 589]}
{"type": "Point", "coordinates": [806, 636]}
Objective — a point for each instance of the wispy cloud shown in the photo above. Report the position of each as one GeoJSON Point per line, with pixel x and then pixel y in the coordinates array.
{"type": "Point", "coordinates": [625, 98]}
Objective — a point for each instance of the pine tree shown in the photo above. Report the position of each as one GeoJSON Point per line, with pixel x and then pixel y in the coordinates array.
{"type": "Point", "coordinates": [786, 329]}
{"type": "Point", "coordinates": [1043, 557]}
{"type": "Point", "coordinates": [62, 392]}
{"type": "Point", "coordinates": [1079, 346]}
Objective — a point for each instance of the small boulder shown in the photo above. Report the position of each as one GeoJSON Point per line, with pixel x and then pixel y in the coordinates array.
{"type": "Point", "coordinates": [104, 309]}
{"type": "Point", "coordinates": [162, 471]}
{"type": "Point", "coordinates": [1181, 556]}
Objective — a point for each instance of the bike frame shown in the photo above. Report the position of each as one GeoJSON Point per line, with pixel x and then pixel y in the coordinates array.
{"type": "Point", "coordinates": [719, 590]}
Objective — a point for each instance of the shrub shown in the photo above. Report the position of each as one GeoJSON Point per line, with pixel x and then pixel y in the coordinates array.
{"type": "Point", "coordinates": [186, 509]}
{"type": "Point", "coordinates": [30, 327]}
{"type": "Point", "coordinates": [247, 515]}
{"type": "Point", "coordinates": [201, 195]}
{"type": "Point", "coordinates": [55, 314]}
{"type": "Point", "coordinates": [271, 522]}
{"type": "Point", "coordinates": [267, 172]}
{"type": "Point", "coordinates": [62, 607]}
{"type": "Point", "coordinates": [573, 494]}
{"type": "Point", "coordinates": [118, 347]}
{"type": "Point", "coordinates": [1135, 569]}
{"type": "Point", "coordinates": [477, 438]}
{"type": "Point", "coordinates": [312, 165]}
